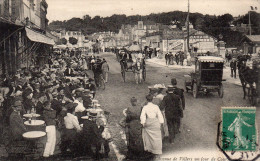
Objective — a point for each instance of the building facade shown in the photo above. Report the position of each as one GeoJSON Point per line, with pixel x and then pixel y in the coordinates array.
{"type": "Point", "coordinates": [251, 44]}
{"type": "Point", "coordinates": [23, 40]}
{"type": "Point", "coordinates": [75, 34]}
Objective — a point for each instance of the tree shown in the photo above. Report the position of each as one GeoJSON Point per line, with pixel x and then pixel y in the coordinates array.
{"type": "Point", "coordinates": [64, 41]}
{"type": "Point", "coordinates": [73, 40]}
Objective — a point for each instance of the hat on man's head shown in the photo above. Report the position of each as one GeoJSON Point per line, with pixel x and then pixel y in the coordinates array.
{"type": "Point", "coordinates": [170, 89]}
{"type": "Point", "coordinates": [18, 93]}
{"type": "Point", "coordinates": [174, 81]}
{"type": "Point", "coordinates": [86, 91]}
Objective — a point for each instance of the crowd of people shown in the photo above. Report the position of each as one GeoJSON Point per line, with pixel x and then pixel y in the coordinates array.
{"type": "Point", "coordinates": [61, 92]}
{"type": "Point", "coordinates": [178, 57]}
{"type": "Point", "coordinates": [156, 121]}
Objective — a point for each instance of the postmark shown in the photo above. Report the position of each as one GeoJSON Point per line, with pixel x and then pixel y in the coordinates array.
{"type": "Point", "coordinates": [238, 137]}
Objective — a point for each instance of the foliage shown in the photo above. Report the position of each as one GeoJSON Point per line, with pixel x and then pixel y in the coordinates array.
{"type": "Point", "coordinates": [64, 41]}
{"type": "Point", "coordinates": [210, 24]}
{"type": "Point", "coordinates": [73, 40]}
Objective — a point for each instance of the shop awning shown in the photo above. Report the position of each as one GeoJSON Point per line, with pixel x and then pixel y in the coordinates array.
{"type": "Point", "coordinates": [38, 37]}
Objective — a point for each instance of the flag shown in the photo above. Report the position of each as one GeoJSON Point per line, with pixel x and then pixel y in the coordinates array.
{"type": "Point", "coordinates": [252, 8]}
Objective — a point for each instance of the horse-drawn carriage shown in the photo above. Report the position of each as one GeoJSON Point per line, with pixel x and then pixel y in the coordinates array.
{"type": "Point", "coordinates": [135, 64]}
{"type": "Point", "coordinates": [207, 76]}
{"type": "Point", "coordinates": [249, 77]}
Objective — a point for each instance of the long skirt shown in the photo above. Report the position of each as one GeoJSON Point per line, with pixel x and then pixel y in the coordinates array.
{"type": "Point", "coordinates": [135, 141]}
{"type": "Point", "coordinates": [152, 136]}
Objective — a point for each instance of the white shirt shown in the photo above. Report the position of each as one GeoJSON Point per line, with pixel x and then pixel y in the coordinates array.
{"type": "Point", "coordinates": [71, 122]}
{"type": "Point", "coordinates": [151, 111]}
{"type": "Point", "coordinates": [80, 107]}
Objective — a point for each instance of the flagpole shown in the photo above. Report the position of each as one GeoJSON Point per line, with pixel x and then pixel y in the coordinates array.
{"type": "Point", "coordinates": [188, 27]}
{"type": "Point", "coordinates": [250, 31]}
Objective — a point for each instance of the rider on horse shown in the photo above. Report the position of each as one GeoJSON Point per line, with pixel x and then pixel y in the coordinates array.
{"type": "Point", "coordinates": [127, 62]}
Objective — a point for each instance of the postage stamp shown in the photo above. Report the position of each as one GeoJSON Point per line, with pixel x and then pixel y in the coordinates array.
{"type": "Point", "coordinates": [239, 131]}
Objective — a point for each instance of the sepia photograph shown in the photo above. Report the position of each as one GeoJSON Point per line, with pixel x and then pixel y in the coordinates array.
{"type": "Point", "coordinates": [129, 80]}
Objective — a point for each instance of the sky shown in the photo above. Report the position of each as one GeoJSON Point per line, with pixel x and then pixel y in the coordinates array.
{"type": "Point", "coordinates": [67, 9]}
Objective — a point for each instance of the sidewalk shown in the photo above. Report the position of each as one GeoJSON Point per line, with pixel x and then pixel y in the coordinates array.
{"type": "Point", "coordinates": [162, 63]}
{"type": "Point", "coordinates": [226, 70]}
{"type": "Point", "coordinates": [229, 79]}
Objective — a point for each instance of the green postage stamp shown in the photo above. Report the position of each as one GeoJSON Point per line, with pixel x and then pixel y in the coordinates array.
{"type": "Point", "coordinates": [239, 133]}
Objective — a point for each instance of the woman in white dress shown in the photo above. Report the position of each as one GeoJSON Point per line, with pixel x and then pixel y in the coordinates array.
{"type": "Point", "coordinates": [151, 120]}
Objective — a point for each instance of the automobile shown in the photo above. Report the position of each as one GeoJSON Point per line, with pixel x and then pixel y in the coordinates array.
{"type": "Point", "coordinates": [207, 76]}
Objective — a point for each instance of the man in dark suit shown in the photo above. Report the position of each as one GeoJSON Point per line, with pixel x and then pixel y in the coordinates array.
{"type": "Point", "coordinates": [91, 136]}
{"type": "Point", "coordinates": [173, 112]}
{"type": "Point", "coordinates": [69, 71]}
{"type": "Point", "coordinates": [56, 104]}
{"type": "Point", "coordinates": [91, 86]}
{"type": "Point", "coordinates": [179, 92]}
{"type": "Point", "coordinates": [233, 67]}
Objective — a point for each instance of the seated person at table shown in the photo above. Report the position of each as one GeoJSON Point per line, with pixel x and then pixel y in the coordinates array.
{"type": "Point", "coordinates": [71, 127]}
{"type": "Point", "coordinates": [80, 107]}
{"type": "Point", "coordinates": [87, 102]}
{"type": "Point", "coordinates": [49, 116]}
{"type": "Point", "coordinates": [39, 104]}
{"type": "Point", "coordinates": [27, 100]}
{"type": "Point", "coordinates": [16, 122]}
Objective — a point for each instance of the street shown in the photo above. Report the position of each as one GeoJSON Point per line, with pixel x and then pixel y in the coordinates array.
{"type": "Point", "coordinates": [201, 115]}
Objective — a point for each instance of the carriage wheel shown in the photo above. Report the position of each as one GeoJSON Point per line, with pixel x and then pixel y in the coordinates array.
{"type": "Point", "coordinates": [144, 74]}
{"type": "Point", "coordinates": [195, 90]}
{"type": "Point", "coordinates": [221, 91]}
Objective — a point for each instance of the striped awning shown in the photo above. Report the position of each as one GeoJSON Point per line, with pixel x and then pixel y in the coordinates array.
{"type": "Point", "coordinates": [38, 37]}
{"type": "Point", "coordinates": [211, 59]}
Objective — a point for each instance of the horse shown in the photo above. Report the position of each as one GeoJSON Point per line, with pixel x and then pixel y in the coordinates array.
{"type": "Point", "coordinates": [138, 67]}
{"type": "Point", "coordinates": [247, 76]}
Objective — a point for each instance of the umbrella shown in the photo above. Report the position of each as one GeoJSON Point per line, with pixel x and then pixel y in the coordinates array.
{"type": "Point", "coordinates": [134, 48]}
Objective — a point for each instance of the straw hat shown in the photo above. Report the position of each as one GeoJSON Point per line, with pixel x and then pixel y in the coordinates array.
{"type": "Point", "coordinates": [170, 89]}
